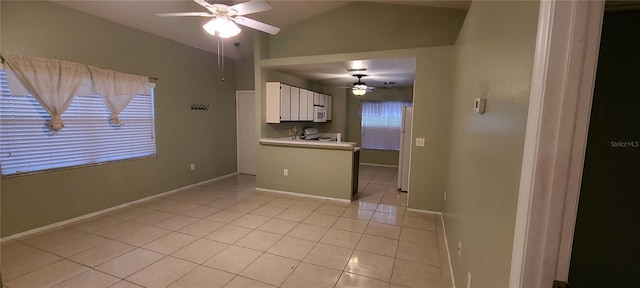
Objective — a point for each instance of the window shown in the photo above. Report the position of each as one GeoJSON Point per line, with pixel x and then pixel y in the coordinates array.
{"type": "Point", "coordinates": [27, 145]}
{"type": "Point", "coordinates": [381, 124]}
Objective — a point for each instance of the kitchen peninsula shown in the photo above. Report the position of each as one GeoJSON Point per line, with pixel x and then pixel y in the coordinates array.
{"type": "Point", "coordinates": [317, 168]}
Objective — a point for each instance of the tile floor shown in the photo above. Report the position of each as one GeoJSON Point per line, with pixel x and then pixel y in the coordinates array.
{"type": "Point", "coordinates": [227, 234]}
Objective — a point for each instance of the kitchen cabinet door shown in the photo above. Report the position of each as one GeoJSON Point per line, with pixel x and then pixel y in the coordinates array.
{"type": "Point", "coordinates": [328, 105]}
{"type": "Point", "coordinates": [295, 104]}
{"type": "Point", "coordinates": [273, 102]}
{"type": "Point", "coordinates": [318, 99]}
{"type": "Point", "coordinates": [304, 116]}
{"type": "Point", "coordinates": [285, 102]}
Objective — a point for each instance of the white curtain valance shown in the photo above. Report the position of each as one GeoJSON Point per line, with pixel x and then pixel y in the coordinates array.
{"type": "Point", "coordinates": [54, 84]}
{"type": "Point", "coordinates": [117, 89]}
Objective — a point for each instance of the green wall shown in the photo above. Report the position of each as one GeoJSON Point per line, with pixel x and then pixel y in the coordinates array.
{"type": "Point", "coordinates": [186, 76]}
{"type": "Point", "coordinates": [493, 59]}
{"type": "Point", "coordinates": [367, 26]}
{"type": "Point", "coordinates": [384, 157]}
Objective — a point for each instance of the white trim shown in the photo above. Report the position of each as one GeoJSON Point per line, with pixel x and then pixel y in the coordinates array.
{"type": "Point", "coordinates": [424, 211]}
{"type": "Point", "coordinates": [446, 243]}
{"type": "Point", "coordinates": [304, 195]}
{"type": "Point", "coordinates": [86, 216]}
{"type": "Point", "coordinates": [379, 165]}
{"type": "Point", "coordinates": [555, 141]}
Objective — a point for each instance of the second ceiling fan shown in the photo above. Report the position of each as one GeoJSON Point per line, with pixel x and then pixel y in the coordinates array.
{"type": "Point", "coordinates": [225, 18]}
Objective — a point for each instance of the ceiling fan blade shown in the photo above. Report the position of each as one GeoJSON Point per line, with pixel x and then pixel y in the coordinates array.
{"type": "Point", "coordinates": [273, 30]}
{"type": "Point", "coordinates": [251, 7]}
{"type": "Point", "coordinates": [180, 14]}
{"type": "Point", "coordinates": [206, 5]}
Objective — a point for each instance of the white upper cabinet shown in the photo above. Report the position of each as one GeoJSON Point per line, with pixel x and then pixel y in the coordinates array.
{"type": "Point", "coordinates": [285, 102]}
{"type": "Point", "coordinates": [328, 105]}
{"type": "Point", "coordinates": [318, 99]}
{"type": "Point", "coordinates": [304, 105]}
{"type": "Point", "coordinates": [295, 104]}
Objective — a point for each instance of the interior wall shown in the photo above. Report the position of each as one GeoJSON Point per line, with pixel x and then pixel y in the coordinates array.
{"type": "Point", "coordinates": [186, 76]}
{"type": "Point", "coordinates": [366, 26]}
{"type": "Point", "coordinates": [493, 59]}
{"type": "Point", "coordinates": [245, 75]}
{"type": "Point", "coordinates": [384, 157]}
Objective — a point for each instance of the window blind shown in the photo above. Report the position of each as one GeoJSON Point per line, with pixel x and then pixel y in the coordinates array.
{"type": "Point", "coordinates": [381, 124]}
{"type": "Point", "coordinates": [27, 145]}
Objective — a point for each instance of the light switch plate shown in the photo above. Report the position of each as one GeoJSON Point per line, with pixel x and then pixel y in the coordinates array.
{"type": "Point", "coordinates": [420, 142]}
{"type": "Point", "coordinates": [479, 105]}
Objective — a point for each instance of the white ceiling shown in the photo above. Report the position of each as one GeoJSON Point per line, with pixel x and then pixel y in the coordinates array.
{"type": "Point", "coordinates": [140, 14]}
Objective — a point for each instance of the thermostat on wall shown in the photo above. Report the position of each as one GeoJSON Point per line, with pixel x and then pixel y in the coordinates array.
{"type": "Point", "coordinates": [478, 105]}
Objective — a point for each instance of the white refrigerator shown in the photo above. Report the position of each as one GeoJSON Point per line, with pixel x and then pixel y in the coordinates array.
{"type": "Point", "coordinates": [405, 149]}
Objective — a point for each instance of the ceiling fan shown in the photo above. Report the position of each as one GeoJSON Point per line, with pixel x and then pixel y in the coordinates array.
{"type": "Point", "coordinates": [225, 18]}
{"type": "Point", "coordinates": [360, 88]}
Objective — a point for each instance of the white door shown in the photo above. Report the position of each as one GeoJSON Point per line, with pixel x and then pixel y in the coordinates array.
{"type": "Point", "coordinates": [246, 131]}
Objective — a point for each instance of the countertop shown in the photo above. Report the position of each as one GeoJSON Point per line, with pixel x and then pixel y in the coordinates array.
{"type": "Point", "coordinates": [287, 141]}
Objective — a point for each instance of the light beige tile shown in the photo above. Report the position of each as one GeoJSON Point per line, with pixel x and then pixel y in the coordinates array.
{"type": "Point", "coordinates": [176, 222]}
{"type": "Point", "coordinates": [293, 248]}
{"type": "Point", "coordinates": [270, 269]}
{"type": "Point", "coordinates": [258, 240]}
{"type": "Point", "coordinates": [329, 256]}
{"type": "Point", "coordinates": [170, 243]}
{"type": "Point", "coordinates": [294, 214]}
{"type": "Point", "coordinates": [125, 284]}
{"type": "Point", "coordinates": [242, 282]}
{"type": "Point", "coordinates": [244, 207]}
{"type": "Point", "coordinates": [392, 209]}
{"type": "Point", "coordinates": [383, 230]}
{"type": "Point", "coordinates": [415, 275]}
{"type": "Point", "coordinates": [394, 285]}
{"type": "Point", "coordinates": [349, 280]}
{"type": "Point", "coordinates": [153, 217]}
{"type": "Point", "coordinates": [228, 234]}
{"type": "Point", "coordinates": [418, 253]}
{"type": "Point", "coordinates": [130, 212]}
{"type": "Point", "coordinates": [48, 239]}
{"type": "Point", "coordinates": [90, 278]}
{"type": "Point", "coordinates": [77, 245]}
{"type": "Point", "coordinates": [158, 203]}
{"type": "Point", "coordinates": [378, 245]}
{"type": "Point", "coordinates": [18, 259]}
{"type": "Point", "coordinates": [420, 214]}
{"type": "Point", "coordinates": [330, 209]}
{"type": "Point", "coordinates": [225, 216]}
{"type": "Point", "coordinates": [278, 226]}
{"type": "Point", "coordinates": [370, 265]}
{"type": "Point", "coordinates": [309, 275]}
{"type": "Point", "coordinates": [200, 250]}
{"type": "Point", "coordinates": [356, 213]}
{"type": "Point", "coordinates": [283, 202]}
{"type": "Point", "coordinates": [387, 218]}
{"type": "Point", "coordinates": [364, 205]}
{"type": "Point", "coordinates": [268, 210]}
{"type": "Point", "coordinates": [102, 253]}
{"type": "Point", "coordinates": [349, 224]}
{"type": "Point", "coordinates": [233, 259]}
{"type": "Point", "coordinates": [143, 236]}
{"type": "Point", "coordinates": [250, 221]}
{"type": "Point", "coordinates": [203, 277]}
{"type": "Point", "coordinates": [120, 230]}
{"type": "Point", "coordinates": [420, 223]}
{"type": "Point", "coordinates": [261, 199]}
{"type": "Point", "coordinates": [96, 224]}
{"type": "Point", "coordinates": [341, 238]}
{"type": "Point", "coordinates": [200, 211]}
{"type": "Point", "coordinates": [127, 264]}
{"type": "Point", "coordinates": [180, 208]}
{"type": "Point", "coordinates": [308, 232]}
{"type": "Point", "coordinates": [201, 228]}
{"type": "Point", "coordinates": [320, 220]}
{"type": "Point", "coordinates": [222, 203]}
{"type": "Point", "coordinates": [428, 238]}
{"type": "Point", "coordinates": [162, 273]}
{"type": "Point", "coordinates": [49, 275]}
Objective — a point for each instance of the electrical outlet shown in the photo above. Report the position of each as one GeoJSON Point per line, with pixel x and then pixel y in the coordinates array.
{"type": "Point", "coordinates": [459, 249]}
{"type": "Point", "coordinates": [420, 142]}
{"type": "Point", "coordinates": [445, 195]}
{"type": "Point", "coordinates": [193, 166]}
{"type": "Point", "coordinates": [469, 280]}
{"type": "Point", "coordinates": [286, 172]}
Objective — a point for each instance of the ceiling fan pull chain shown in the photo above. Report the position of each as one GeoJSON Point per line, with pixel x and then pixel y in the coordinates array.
{"type": "Point", "coordinates": [222, 58]}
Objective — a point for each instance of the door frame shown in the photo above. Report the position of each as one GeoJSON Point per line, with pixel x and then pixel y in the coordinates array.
{"type": "Point", "coordinates": [238, 134]}
{"type": "Point", "coordinates": [564, 71]}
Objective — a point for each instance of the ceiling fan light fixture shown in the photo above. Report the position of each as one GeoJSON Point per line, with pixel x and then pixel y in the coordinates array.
{"type": "Point", "coordinates": [358, 91]}
{"type": "Point", "coordinates": [223, 26]}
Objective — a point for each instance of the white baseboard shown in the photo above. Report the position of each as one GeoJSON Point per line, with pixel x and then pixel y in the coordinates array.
{"type": "Point", "coordinates": [379, 165]}
{"type": "Point", "coordinates": [86, 216]}
{"type": "Point", "coordinates": [446, 245]}
{"type": "Point", "coordinates": [304, 195]}
{"type": "Point", "coordinates": [424, 211]}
